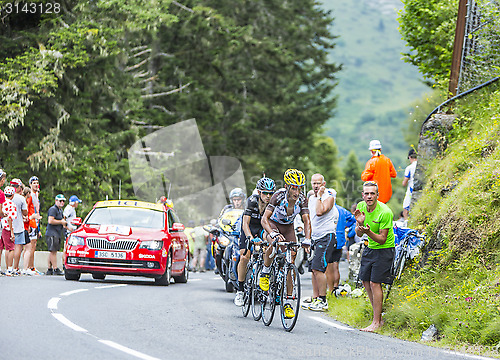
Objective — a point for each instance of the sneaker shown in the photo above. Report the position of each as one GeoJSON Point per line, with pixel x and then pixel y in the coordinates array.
{"type": "Point", "coordinates": [239, 299]}
{"type": "Point", "coordinates": [289, 313]}
{"type": "Point", "coordinates": [49, 272]}
{"type": "Point", "coordinates": [58, 272]}
{"type": "Point", "coordinates": [36, 271]}
{"type": "Point", "coordinates": [29, 272]}
{"type": "Point", "coordinates": [17, 272]}
{"type": "Point", "coordinates": [307, 306]}
{"type": "Point", "coordinates": [308, 300]}
{"type": "Point", "coordinates": [10, 273]}
{"type": "Point", "coordinates": [264, 281]}
{"type": "Point", "coordinates": [319, 305]}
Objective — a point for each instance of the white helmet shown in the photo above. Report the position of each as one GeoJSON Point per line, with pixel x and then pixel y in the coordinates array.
{"type": "Point", "coordinates": [357, 292]}
{"type": "Point", "coordinates": [343, 290]}
{"type": "Point", "coordinates": [375, 145]}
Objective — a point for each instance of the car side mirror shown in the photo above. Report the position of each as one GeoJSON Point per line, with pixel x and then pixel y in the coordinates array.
{"type": "Point", "coordinates": [177, 227]}
{"type": "Point", "coordinates": [76, 221]}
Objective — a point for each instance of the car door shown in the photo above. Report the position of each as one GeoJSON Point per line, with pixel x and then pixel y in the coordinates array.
{"type": "Point", "coordinates": [179, 239]}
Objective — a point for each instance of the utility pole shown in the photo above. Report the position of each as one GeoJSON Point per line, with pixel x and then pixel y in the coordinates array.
{"type": "Point", "coordinates": [457, 48]}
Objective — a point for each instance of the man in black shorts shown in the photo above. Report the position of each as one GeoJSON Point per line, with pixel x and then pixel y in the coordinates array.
{"type": "Point", "coordinates": [53, 235]}
{"type": "Point", "coordinates": [374, 218]}
{"type": "Point", "coordinates": [323, 216]}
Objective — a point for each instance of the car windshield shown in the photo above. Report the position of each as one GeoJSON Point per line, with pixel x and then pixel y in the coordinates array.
{"type": "Point", "coordinates": [133, 217]}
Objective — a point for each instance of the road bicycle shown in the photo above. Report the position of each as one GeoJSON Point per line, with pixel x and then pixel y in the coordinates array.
{"type": "Point", "coordinates": [284, 287]}
{"type": "Point", "coordinates": [412, 240]}
{"type": "Point", "coordinates": [251, 297]}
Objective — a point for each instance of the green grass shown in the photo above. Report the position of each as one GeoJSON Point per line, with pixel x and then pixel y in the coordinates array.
{"type": "Point", "coordinates": [455, 282]}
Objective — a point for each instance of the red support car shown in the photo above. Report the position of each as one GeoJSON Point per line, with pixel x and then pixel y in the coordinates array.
{"type": "Point", "coordinates": [128, 237]}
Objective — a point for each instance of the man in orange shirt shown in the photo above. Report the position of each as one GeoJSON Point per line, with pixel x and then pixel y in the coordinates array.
{"type": "Point", "coordinates": [379, 169]}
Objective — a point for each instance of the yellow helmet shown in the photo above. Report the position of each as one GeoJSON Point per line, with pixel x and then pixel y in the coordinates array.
{"type": "Point", "coordinates": [294, 177]}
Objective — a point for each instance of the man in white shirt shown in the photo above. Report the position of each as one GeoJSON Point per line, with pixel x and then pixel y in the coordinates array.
{"type": "Point", "coordinates": [70, 211]}
{"type": "Point", "coordinates": [324, 217]}
{"type": "Point", "coordinates": [408, 180]}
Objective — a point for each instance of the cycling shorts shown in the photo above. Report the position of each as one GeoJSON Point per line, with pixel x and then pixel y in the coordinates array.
{"type": "Point", "coordinates": [257, 232]}
{"type": "Point", "coordinates": [287, 230]}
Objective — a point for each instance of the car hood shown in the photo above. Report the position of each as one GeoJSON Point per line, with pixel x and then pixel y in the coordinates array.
{"type": "Point", "coordinates": [110, 231]}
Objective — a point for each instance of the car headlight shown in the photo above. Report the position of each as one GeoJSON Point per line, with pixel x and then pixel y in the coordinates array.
{"type": "Point", "coordinates": [151, 245]}
{"type": "Point", "coordinates": [76, 240]}
{"type": "Point", "coordinates": [224, 241]}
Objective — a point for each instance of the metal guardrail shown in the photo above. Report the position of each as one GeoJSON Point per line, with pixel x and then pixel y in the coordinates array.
{"type": "Point", "coordinates": [438, 108]}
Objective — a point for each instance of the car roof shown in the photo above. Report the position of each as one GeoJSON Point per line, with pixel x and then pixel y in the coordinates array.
{"type": "Point", "coordinates": [130, 204]}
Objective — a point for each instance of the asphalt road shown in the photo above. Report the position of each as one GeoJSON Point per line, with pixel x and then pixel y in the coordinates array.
{"type": "Point", "coordinates": [47, 317]}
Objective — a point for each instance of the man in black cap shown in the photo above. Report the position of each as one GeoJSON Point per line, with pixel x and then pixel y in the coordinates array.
{"type": "Point", "coordinates": [55, 226]}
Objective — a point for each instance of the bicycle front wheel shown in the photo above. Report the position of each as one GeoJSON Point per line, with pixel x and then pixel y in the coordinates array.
{"type": "Point", "coordinates": [257, 294]}
{"type": "Point", "coordinates": [290, 297]}
{"type": "Point", "coordinates": [400, 265]}
{"type": "Point", "coordinates": [269, 299]}
{"type": "Point", "coordinates": [247, 290]}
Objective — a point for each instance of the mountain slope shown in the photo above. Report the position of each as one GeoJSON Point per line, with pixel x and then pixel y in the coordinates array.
{"type": "Point", "coordinates": [376, 87]}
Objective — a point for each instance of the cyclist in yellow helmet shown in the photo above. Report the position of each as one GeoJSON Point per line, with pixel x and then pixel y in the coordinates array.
{"type": "Point", "coordinates": [278, 218]}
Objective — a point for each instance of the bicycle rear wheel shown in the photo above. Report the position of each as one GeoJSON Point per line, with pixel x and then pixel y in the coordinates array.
{"type": "Point", "coordinates": [400, 265]}
{"type": "Point", "coordinates": [247, 290]}
{"type": "Point", "coordinates": [257, 295]}
{"type": "Point", "coordinates": [269, 299]}
{"type": "Point", "coordinates": [290, 297]}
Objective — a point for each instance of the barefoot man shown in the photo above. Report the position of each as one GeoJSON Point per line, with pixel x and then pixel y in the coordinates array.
{"type": "Point", "coordinates": [374, 218]}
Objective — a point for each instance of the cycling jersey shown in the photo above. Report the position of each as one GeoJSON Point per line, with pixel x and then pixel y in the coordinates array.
{"type": "Point", "coordinates": [252, 210]}
{"type": "Point", "coordinates": [279, 204]}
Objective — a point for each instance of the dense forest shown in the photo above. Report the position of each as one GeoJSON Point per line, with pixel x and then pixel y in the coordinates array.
{"type": "Point", "coordinates": [82, 82]}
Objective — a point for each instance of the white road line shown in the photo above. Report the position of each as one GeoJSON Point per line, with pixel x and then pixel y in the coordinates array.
{"type": "Point", "coordinates": [52, 304]}
{"type": "Point", "coordinates": [67, 293]}
{"type": "Point", "coordinates": [190, 280]}
{"type": "Point", "coordinates": [467, 355]}
{"type": "Point", "coordinates": [109, 286]}
{"type": "Point", "coordinates": [68, 323]}
{"type": "Point", "coordinates": [216, 278]}
{"type": "Point", "coordinates": [324, 321]}
{"type": "Point", "coordinates": [127, 350]}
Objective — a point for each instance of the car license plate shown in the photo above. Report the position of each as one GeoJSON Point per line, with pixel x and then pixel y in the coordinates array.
{"type": "Point", "coordinates": [110, 254]}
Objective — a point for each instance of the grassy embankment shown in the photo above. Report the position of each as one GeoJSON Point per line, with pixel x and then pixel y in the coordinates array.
{"type": "Point", "coordinates": [455, 282]}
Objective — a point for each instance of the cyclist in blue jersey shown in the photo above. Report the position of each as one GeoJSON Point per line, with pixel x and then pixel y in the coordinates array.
{"type": "Point", "coordinates": [252, 229]}
{"type": "Point", "coordinates": [278, 219]}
